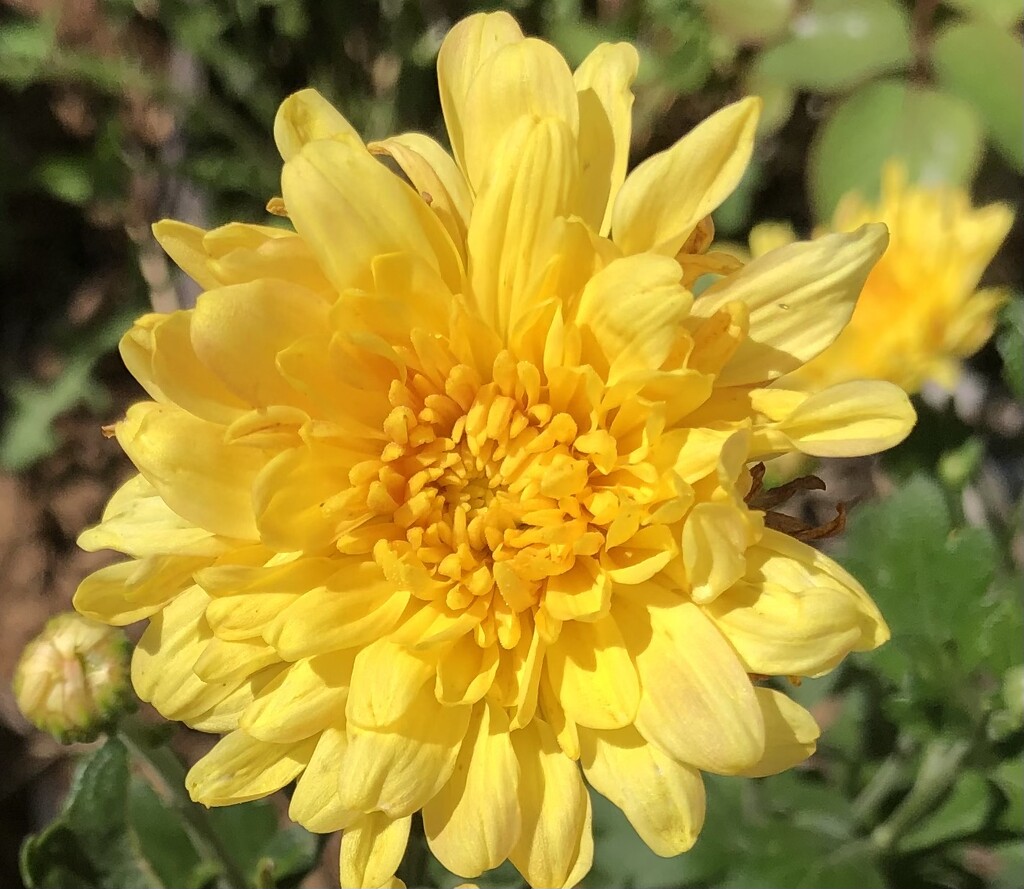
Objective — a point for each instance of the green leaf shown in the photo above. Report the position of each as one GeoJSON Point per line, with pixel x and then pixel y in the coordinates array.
{"type": "Point", "coordinates": [932, 582]}
{"type": "Point", "coordinates": [802, 858]}
{"type": "Point", "coordinates": [749, 21]}
{"type": "Point", "coordinates": [937, 136]}
{"type": "Point", "coordinates": [1009, 778]}
{"type": "Point", "coordinates": [836, 44]}
{"type": "Point", "coordinates": [162, 839]}
{"type": "Point", "coordinates": [1010, 857]}
{"type": "Point", "coordinates": [25, 50]}
{"type": "Point", "coordinates": [28, 433]}
{"type": "Point", "coordinates": [1002, 12]}
{"type": "Point", "coordinates": [89, 843]}
{"type": "Point", "coordinates": [964, 812]}
{"type": "Point", "coordinates": [1010, 343]}
{"type": "Point", "coordinates": [983, 64]}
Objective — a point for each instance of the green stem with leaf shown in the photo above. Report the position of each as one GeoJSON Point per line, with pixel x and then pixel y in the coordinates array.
{"type": "Point", "coordinates": [171, 775]}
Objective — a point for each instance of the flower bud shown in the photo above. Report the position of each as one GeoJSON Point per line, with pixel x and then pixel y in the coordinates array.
{"type": "Point", "coordinates": [72, 679]}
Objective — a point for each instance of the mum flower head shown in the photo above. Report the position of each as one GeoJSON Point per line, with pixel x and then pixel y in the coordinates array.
{"type": "Point", "coordinates": [442, 492]}
{"type": "Point", "coordinates": [921, 312]}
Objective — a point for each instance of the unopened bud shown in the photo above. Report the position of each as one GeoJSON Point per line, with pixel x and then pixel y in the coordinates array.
{"type": "Point", "coordinates": [72, 679]}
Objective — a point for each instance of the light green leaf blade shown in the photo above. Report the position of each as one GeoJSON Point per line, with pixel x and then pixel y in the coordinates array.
{"type": "Point", "coordinates": [833, 45]}
{"type": "Point", "coordinates": [937, 136]}
{"type": "Point", "coordinates": [983, 64]}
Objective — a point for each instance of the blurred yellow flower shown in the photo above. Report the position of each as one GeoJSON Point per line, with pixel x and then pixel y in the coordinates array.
{"type": "Point", "coordinates": [441, 502]}
{"type": "Point", "coordinates": [920, 313]}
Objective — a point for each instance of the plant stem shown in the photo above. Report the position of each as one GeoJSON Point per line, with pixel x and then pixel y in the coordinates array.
{"type": "Point", "coordinates": [940, 769]}
{"type": "Point", "coordinates": [888, 777]}
{"type": "Point", "coordinates": [171, 775]}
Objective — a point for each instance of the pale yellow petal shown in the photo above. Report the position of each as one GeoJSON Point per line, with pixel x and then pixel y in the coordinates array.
{"type": "Point", "coordinates": [398, 770]}
{"type": "Point", "coordinates": [780, 560]}
{"type": "Point", "coordinates": [159, 353]}
{"type": "Point", "coordinates": [715, 539]}
{"type": "Point", "coordinates": [339, 194]}
{"type": "Point", "coordinates": [663, 799]}
{"type": "Point", "coordinates": [137, 522]}
{"type": "Point", "coordinates": [799, 297]}
{"type": "Point", "coordinates": [302, 701]}
{"type": "Point", "coordinates": [511, 231]}
{"type": "Point", "coordinates": [593, 675]}
{"type": "Point", "coordinates": [353, 607]}
{"type": "Point", "coordinates": [850, 420]}
{"type": "Point", "coordinates": [184, 244]}
{"type": "Point", "coordinates": [163, 661]}
{"type": "Point", "coordinates": [776, 631]}
{"type": "Point", "coordinates": [129, 591]}
{"type": "Point", "coordinates": [197, 475]}
{"type": "Point", "coordinates": [790, 732]}
{"type": "Point", "coordinates": [697, 702]}
{"type": "Point", "coordinates": [603, 86]}
{"type": "Point", "coordinates": [629, 313]}
{"type": "Point", "coordinates": [305, 116]}
{"type": "Point", "coordinates": [315, 804]}
{"type": "Point", "coordinates": [465, 48]}
{"type": "Point", "coordinates": [371, 850]}
{"type": "Point", "coordinates": [556, 846]}
{"type": "Point", "coordinates": [473, 822]}
{"type": "Point", "coordinates": [526, 78]}
{"type": "Point", "coordinates": [237, 332]}
{"type": "Point", "coordinates": [668, 194]}
{"type": "Point", "coordinates": [240, 768]}
{"type": "Point", "coordinates": [387, 680]}
{"type": "Point", "coordinates": [436, 176]}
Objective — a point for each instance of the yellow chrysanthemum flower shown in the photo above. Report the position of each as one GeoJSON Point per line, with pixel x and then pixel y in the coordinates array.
{"type": "Point", "coordinates": [920, 313]}
{"type": "Point", "coordinates": [441, 502]}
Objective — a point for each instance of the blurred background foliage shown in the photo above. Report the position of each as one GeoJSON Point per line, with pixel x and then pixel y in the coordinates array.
{"type": "Point", "coordinates": [118, 112]}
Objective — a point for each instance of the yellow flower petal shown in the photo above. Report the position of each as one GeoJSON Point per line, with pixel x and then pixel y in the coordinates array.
{"type": "Point", "coordinates": [237, 332]}
{"type": "Point", "coordinates": [302, 701]}
{"type": "Point", "coordinates": [663, 799]}
{"type": "Point", "coordinates": [371, 850]}
{"type": "Point", "coordinates": [593, 675]}
{"type": "Point", "coordinates": [354, 606]}
{"type": "Point", "coordinates": [779, 560]}
{"type": "Point", "coordinates": [533, 183]}
{"type": "Point", "coordinates": [556, 846]}
{"type": "Point", "coordinates": [398, 770]}
{"type": "Point", "coordinates": [186, 461]}
{"type": "Point", "coordinates": [715, 539]}
{"type": "Point", "coordinates": [240, 768]}
{"type": "Point", "coordinates": [800, 631]}
{"type": "Point", "coordinates": [697, 702]}
{"type": "Point", "coordinates": [473, 822]}
{"type": "Point", "coordinates": [603, 86]}
{"type": "Point", "coordinates": [799, 297]}
{"type": "Point", "coordinates": [790, 732]}
{"type": "Point", "coordinates": [523, 79]}
{"type": "Point", "coordinates": [850, 420]}
{"type": "Point", "coordinates": [435, 176]}
{"type": "Point", "coordinates": [185, 381]}
{"type": "Point", "coordinates": [387, 680]}
{"type": "Point", "coordinates": [333, 189]}
{"type": "Point", "coordinates": [465, 48]}
{"type": "Point", "coordinates": [304, 117]}
{"type": "Point", "coordinates": [137, 522]}
{"type": "Point", "coordinates": [315, 804]}
{"type": "Point", "coordinates": [629, 311]}
{"type": "Point", "coordinates": [124, 593]}
{"type": "Point", "coordinates": [669, 193]}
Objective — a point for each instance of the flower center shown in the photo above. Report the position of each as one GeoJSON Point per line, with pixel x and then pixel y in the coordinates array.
{"type": "Point", "coordinates": [483, 492]}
